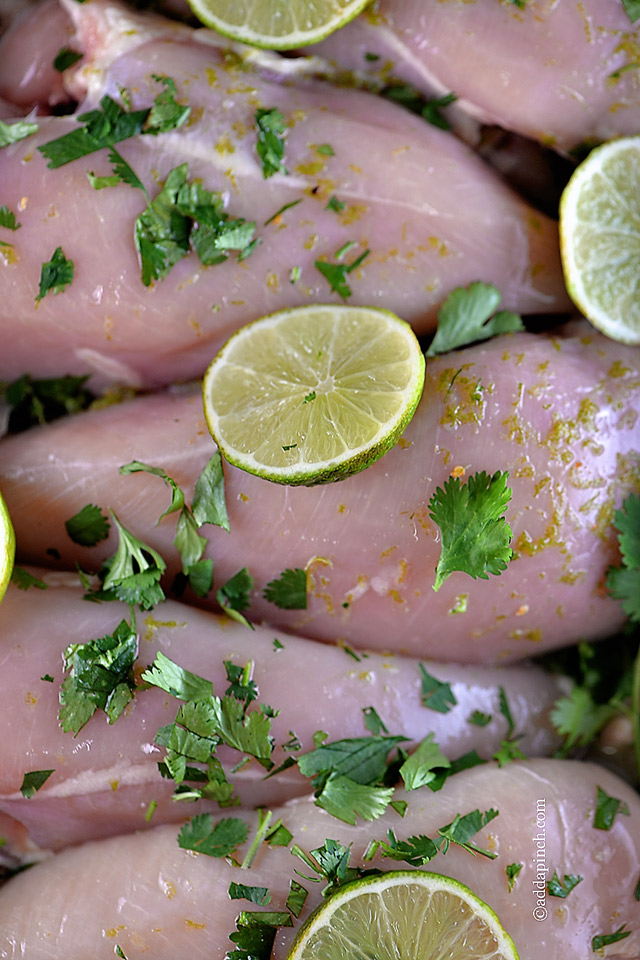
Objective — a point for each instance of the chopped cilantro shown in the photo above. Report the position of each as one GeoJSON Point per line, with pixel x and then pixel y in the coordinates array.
{"type": "Point", "coordinates": [209, 504]}
{"type": "Point", "coordinates": [505, 710]}
{"type": "Point", "coordinates": [278, 213]}
{"type": "Point", "coordinates": [606, 810]}
{"type": "Point", "coordinates": [255, 934]}
{"type": "Point", "coordinates": [464, 316]}
{"type": "Point", "coordinates": [215, 840]}
{"type": "Point", "coordinates": [289, 590]}
{"type": "Point", "coordinates": [277, 645]}
{"type": "Point", "coordinates": [479, 719]}
{"type": "Point", "coordinates": [162, 231]}
{"type": "Point", "coordinates": [465, 762]}
{"type": "Point", "coordinates": [65, 58]}
{"type": "Point", "coordinates": [462, 828]}
{"type": "Point", "coordinates": [13, 132]}
{"type": "Point", "coordinates": [8, 218]}
{"type": "Point", "coordinates": [134, 570]}
{"type": "Point", "coordinates": [372, 57]}
{"type": "Point", "coordinates": [416, 850]}
{"type": "Point", "coordinates": [512, 870]}
{"type": "Point", "coordinates": [88, 527]}
{"type": "Point", "coordinates": [40, 401]}
{"type": "Point", "coordinates": [294, 274]}
{"type": "Point", "coordinates": [241, 686]}
{"type": "Point", "coordinates": [100, 677]}
{"type": "Point", "coordinates": [100, 128]}
{"type": "Point", "coordinates": [296, 898]}
{"type": "Point", "coordinates": [234, 596]}
{"type": "Point", "coordinates": [55, 275]}
{"type": "Point", "coordinates": [632, 8]}
{"type": "Point", "coordinates": [166, 113]}
{"type": "Point", "coordinates": [177, 681]}
{"type": "Point", "coordinates": [337, 206]}
{"type": "Point", "coordinates": [418, 769]}
{"type": "Point", "coordinates": [604, 939]}
{"type": "Point", "coordinates": [346, 799]}
{"type": "Point", "coordinates": [623, 582]}
{"type": "Point", "coordinates": [326, 150]}
{"type": "Point", "coordinates": [259, 895]}
{"type": "Point", "coordinates": [432, 110]}
{"type": "Point", "coordinates": [271, 128]}
{"type": "Point", "coordinates": [579, 718]}
{"type": "Point", "coordinates": [119, 951]}
{"type": "Point", "coordinates": [562, 888]}
{"type": "Point", "coordinates": [419, 850]}
{"type": "Point", "coordinates": [33, 781]}
{"type": "Point", "coordinates": [24, 580]}
{"type": "Point", "coordinates": [435, 695]}
{"type": "Point", "coordinates": [47, 678]}
{"type": "Point", "coordinates": [636, 892]}
{"type": "Point", "coordinates": [362, 759]}
{"type": "Point", "coordinates": [336, 274]}
{"type": "Point", "coordinates": [475, 534]}
{"type": "Point", "coordinates": [372, 721]}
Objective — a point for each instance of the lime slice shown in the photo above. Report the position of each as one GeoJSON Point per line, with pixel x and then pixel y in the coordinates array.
{"type": "Point", "coordinates": [314, 393]}
{"type": "Point", "coordinates": [600, 238]}
{"type": "Point", "coordinates": [403, 915]}
{"type": "Point", "coordinates": [7, 547]}
{"type": "Point", "coordinates": [277, 24]}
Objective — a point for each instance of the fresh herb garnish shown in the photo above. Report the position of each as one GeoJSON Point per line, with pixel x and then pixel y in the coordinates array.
{"type": "Point", "coordinates": [336, 273]}
{"type": "Point", "coordinates": [55, 275]}
{"type": "Point", "coordinates": [604, 939]}
{"type": "Point", "coordinates": [215, 840]}
{"type": "Point", "coordinates": [335, 205]}
{"type": "Point", "coordinates": [632, 8]}
{"type": "Point", "coordinates": [133, 572]}
{"type": "Point", "coordinates": [271, 128]}
{"type": "Point", "coordinates": [419, 850]}
{"type": "Point", "coordinates": [325, 150]}
{"type": "Point", "coordinates": [259, 895]}
{"type": "Point", "coordinates": [623, 582]}
{"type": "Point", "coordinates": [479, 719]}
{"type": "Point", "coordinates": [255, 934]}
{"type": "Point", "coordinates": [8, 218]}
{"type": "Point", "coordinates": [278, 213]}
{"type": "Point", "coordinates": [40, 401]}
{"type": "Point", "coordinates": [234, 596]}
{"type": "Point", "coordinates": [512, 870]}
{"type": "Point", "coordinates": [475, 535]}
{"type": "Point", "coordinates": [65, 58]}
{"type": "Point", "coordinates": [606, 810]}
{"type": "Point", "coordinates": [100, 128]}
{"type": "Point", "coordinates": [419, 768]}
{"type": "Point", "coordinates": [432, 110]}
{"type": "Point", "coordinates": [33, 781]}
{"type": "Point", "coordinates": [166, 113]}
{"type": "Point", "coordinates": [372, 721]}
{"type": "Point", "coordinates": [24, 580]}
{"type": "Point", "coordinates": [88, 527]}
{"type": "Point", "coordinates": [562, 888]}
{"type": "Point", "coordinates": [13, 132]}
{"type": "Point", "coordinates": [289, 590]}
{"type": "Point", "coordinates": [464, 316]}
{"type": "Point", "coordinates": [434, 694]}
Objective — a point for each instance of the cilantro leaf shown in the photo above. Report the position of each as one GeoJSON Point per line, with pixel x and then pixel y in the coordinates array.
{"type": "Point", "coordinates": [65, 58]}
{"type": "Point", "coordinates": [579, 718]}
{"type": "Point", "coordinates": [209, 504]}
{"type": "Point", "coordinates": [33, 781]}
{"type": "Point", "coordinates": [465, 762]}
{"type": "Point", "coordinates": [255, 934]}
{"type": "Point", "coordinates": [177, 681]}
{"type": "Point", "coordinates": [278, 214]}
{"type": "Point", "coordinates": [418, 768]}
{"type": "Point", "coordinates": [259, 895]}
{"type": "Point", "coordinates": [335, 205]}
{"type": "Point", "coordinates": [415, 851]}
{"type": "Point", "coordinates": [604, 939]}
{"type": "Point", "coordinates": [346, 800]}
{"type": "Point", "coordinates": [88, 527]}
{"type": "Point", "coordinates": [632, 8]}
{"type": "Point", "coordinates": [40, 401]}
{"type": "Point", "coordinates": [241, 687]}
{"type": "Point", "coordinates": [100, 128]}
{"type": "Point", "coordinates": [234, 595]}
{"type": "Point", "coordinates": [134, 570]}
{"type": "Point", "coordinates": [271, 128]}
{"type": "Point", "coordinates": [479, 719]}
{"type": "Point", "coordinates": [460, 831]}
{"type": "Point", "coordinates": [166, 113]}
{"type": "Point", "coordinates": [289, 590]}
{"type": "Point", "coordinates": [215, 840]}
{"type": "Point", "coordinates": [55, 275]}
{"type": "Point", "coordinates": [13, 132]}
{"type": "Point", "coordinates": [162, 231]}
{"type": "Point", "coordinates": [623, 582]}
{"type": "Point", "coordinates": [23, 580]}
{"type": "Point", "coordinates": [372, 721]}
{"type": "Point", "coordinates": [512, 870]}
{"type": "Point", "coordinates": [362, 759]}
{"type": "Point", "coordinates": [100, 677]}
{"type": "Point", "coordinates": [562, 888]}
{"type": "Point", "coordinates": [336, 273]}
{"type": "Point", "coordinates": [296, 898]}
{"type": "Point", "coordinates": [606, 810]}
{"type": "Point", "coordinates": [435, 695]}
{"type": "Point", "coordinates": [475, 534]}
{"type": "Point", "coordinates": [8, 218]}
{"type": "Point", "coordinates": [463, 318]}
{"type": "Point", "coordinates": [431, 111]}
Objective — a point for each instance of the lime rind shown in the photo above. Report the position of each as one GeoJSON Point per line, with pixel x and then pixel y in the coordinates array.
{"type": "Point", "coordinates": [7, 547]}
{"type": "Point", "coordinates": [403, 914]}
{"type": "Point", "coordinates": [285, 401]}
{"type": "Point", "coordinates": [277, 24]}
{"type": "Point", "coordinates": [600, 238]}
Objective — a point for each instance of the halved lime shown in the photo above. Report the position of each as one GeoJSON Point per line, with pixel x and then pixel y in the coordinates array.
{"type": "Point", "coordinates": [314, 393]}
{"type": "Point", "coordinates": [600, 238]}
{"type": "Point", "coordinates": [277, 24]}
{"type": "Point", "coordinates": [7, 547]}
{"type": "Point", "coordinates": [402, 915]}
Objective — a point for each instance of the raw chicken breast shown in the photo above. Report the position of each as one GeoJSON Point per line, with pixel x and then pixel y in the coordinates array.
{"type": "Point", "coordinates": [564, 73]}
{"type": "Point", "coordinates": [27, 51]}
{"type": "Point", "coordinates": [559, 413]}
{"type": "Point", "coordinates": [106, 776]}
{"type": "Point", "coordinates": [431, 213]}
{"type": "Point", "coordinates": [150, 898]}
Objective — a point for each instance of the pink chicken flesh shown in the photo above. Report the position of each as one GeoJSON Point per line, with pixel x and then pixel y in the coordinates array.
{"type": "Point", "coordinates": [433, 215]}
{"type": "Point", "coordinates": [559, 413]}
{"type": "Point", "coordinates": [564, 73]}
{"type": "Point", "coordinates": [150, 898]}
{"type": "Point", "coordinates": [106, 776]}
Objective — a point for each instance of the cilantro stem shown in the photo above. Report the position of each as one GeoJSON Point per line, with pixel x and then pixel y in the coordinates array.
{"type": "Point", "coordinates": [264, 819]}
{"type": "Point", "coordinates": [635, 708]}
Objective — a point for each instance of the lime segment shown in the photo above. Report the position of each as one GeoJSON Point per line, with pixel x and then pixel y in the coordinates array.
{"type": "Point", "coordinates": [600, 238]}
{"type": "Point", "coordinates": [402, 915]}
{"type": "Point", "coordinates": [277, 24]}
{"type": "Point", "coordinates": [7, 547]}
{"type": "Point", "coordinates": [315, 393]}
